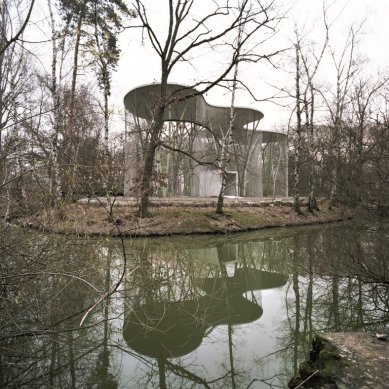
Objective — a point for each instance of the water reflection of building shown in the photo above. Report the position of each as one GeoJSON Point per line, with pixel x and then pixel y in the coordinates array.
{"type": "Point", "coordinates": [258, 163]}
{"type": "Point", "coordinates": [197, 266]}
{"type": "Point", "coordinates": [160, 327]}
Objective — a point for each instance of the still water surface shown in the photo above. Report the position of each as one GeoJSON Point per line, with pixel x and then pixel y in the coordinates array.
{"type": "Point", "coordinates": [235, 311]}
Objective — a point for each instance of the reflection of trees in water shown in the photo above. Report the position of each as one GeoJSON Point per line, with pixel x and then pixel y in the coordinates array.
{"type": "Point", "coordinates": [50, 280]}
{"type": "Point", "coordinates": [327, 289]}
{"type": "Point", "coordinates": [338, 281]}
{"type": "Point", "coordinates": [163, 322]}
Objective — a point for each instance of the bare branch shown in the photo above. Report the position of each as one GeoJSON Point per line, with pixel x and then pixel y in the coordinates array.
{"type": "Point", "coordinates": [19, 33]}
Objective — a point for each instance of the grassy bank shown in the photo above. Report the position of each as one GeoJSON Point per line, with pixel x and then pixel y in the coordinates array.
{"type": "Point", "coordinates": [83, 219]}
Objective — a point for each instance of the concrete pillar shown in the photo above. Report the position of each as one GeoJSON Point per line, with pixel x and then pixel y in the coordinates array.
{"type": "Point", "coordinates": [282, 179]}
{"type": "Point", "coordinates": [133, 159]}
{"type": "Point", "coordinates": [286, 165]}
{"type": "Point", "coordinates": [254, 186]}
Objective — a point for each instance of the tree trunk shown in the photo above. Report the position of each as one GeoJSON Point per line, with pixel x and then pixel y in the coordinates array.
{"type": "Point", "coordinates": [145, 187]}
{"type": "Point", "coordinates": [70, 128]}
{"type": "Point", "coordinates": [312, 203]}
{"type": "Point", "coordinates": [335, 168]}
{"type": "Point", "coordinates": [297, 151]}
{"type": "Point", "coordinates": [296, 330]}
{"type": "Point", "coordinates": [109, 204]}
{"type": "Point", "coordinates": [227, 138]}
{"type": "Point", "coordinates": [55, 179]}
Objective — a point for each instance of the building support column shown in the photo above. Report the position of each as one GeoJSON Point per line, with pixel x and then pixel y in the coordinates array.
{"type": "Point", "coordinates": [132, 157]}
{"type": "Point", "coordinates": [284, 184]}
{"type": "Point", "coordinates": [254, 186]}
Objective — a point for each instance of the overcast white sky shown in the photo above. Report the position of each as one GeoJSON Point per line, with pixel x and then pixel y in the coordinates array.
{"type": "Point", "coordinates": [139, 64]}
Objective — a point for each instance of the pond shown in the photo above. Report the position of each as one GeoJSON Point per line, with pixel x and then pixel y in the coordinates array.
{"type": "Point", "coordinates": [233, 311]}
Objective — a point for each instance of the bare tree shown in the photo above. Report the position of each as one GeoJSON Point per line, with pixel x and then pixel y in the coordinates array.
{"type": "Point", "coordinates": [8, 36]}
{"type": "Point", "coordinates": [299, 129]}
{"type": "Point", "coordinates": [311, 62]}
{"type": "Point", "coordinates": [226, 138]}
{"type": "Point", "coordinates": [57, 47]}
{"type": "Point", "coordinates": [307, 66]}
{"type": "Point", "coordinates": [359, 128]}
{"type": "Point", "coordinates": [15, 82]}
{"type": "Point", "coordinates": [184, 37]}
{"type": "Point", "coordinates": [346, 69]}
{"type": "Point", "coordinates": [380, 155]}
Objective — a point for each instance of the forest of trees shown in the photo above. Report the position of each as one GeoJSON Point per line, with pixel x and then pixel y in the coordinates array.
{"type": "Point", "coordinates": [54, 130]}
{"type": "Point", "coordinates": [56, 138]}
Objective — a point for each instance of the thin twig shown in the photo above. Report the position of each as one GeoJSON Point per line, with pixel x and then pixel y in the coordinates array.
{"type": "Point", "coordinates": [302, 383]}
{"type": "Point", "coordinates": [104, 296]}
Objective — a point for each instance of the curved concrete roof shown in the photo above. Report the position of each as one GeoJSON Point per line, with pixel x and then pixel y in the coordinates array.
{"type": "Point", "coordinates": [184, 104]}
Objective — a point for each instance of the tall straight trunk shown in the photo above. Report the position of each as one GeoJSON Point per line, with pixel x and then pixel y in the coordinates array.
{"type": "Point", "coordinates": [105, 351]}
{"type": "Point", "coordinates": [335, 303]}
{"type": "Point", "coordinates": [53, 357]}
{"type": "Point", "coordinates": [312, 203]}
{"type": "Point", "coordinates": [225, 148]}
{"type": "Point", "coordinates": [7, 210]}
{"type": "Point", "coordinates": [296, 332]}
{"type": "Point", "coordinates": [74, 77]}
{"type": "Point", "coordinates": [106, 145]}
{"type": "Point", "coordinates": [70, 128]}
{"type": "Point", "coordinates": [359, 322]}
{"type": "Point", "coordinates": [231, 355]}
{"type": "Point", "coordinates": [3, 167]}
{"type": "Point", "coordinates": [297, 151]}
{"type": "Point", "coordinates": [162, 373]}
{"type": "Point", "coordinates": [335, 167]}
{"type": "Point", "coordinates": [309, 299]}
{"type": "Point", "coordinates": [2, 34]}
{"type": "Point", "coordinates": [227, 137]}
{"type": "Point", "coordinates": [72, 364]}
{"type": "Point", "coordinates": [360, 162]}
{"type": "Point", "coordinates": [105, 84]}
{"type": "Point", "coordinates": [224, 277]}
{"type": "Point", "coordinates": [55, 179]}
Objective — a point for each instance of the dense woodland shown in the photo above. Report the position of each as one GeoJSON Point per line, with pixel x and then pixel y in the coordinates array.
{"type": "Point", "coordinates": [58, 142]}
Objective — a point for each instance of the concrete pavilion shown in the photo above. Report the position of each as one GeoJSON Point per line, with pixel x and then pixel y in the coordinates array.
{"type": "Point", "coordinates": [258, 162]}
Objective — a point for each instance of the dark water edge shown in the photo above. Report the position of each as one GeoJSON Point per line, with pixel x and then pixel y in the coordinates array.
{"type": "Point", "coordinates": [233, 311]}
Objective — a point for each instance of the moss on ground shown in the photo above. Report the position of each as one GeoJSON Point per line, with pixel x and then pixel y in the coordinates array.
{"type": "Point", "coordinates": [248, 219]}
{"type": "Point", "coordinates": [321, 369]}
{"type": "Point", "coordinates": [83, 219]}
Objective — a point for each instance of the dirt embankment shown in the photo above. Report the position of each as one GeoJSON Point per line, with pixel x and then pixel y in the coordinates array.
{"type": "Point", "coordinates": [178, 219]}
{"type": "Point", "coordinates": [345, 360]}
